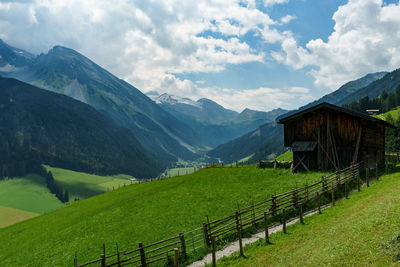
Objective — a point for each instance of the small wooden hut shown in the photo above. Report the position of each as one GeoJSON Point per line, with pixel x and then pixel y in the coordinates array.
{"type": "Point", "coordinates": [326, 137]}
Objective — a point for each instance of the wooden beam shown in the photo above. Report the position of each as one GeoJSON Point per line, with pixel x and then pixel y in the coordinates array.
{"type": "Point", "coordinates": [298, 163]}
{"type": "Point", "coordinates": [323, 150]}
{"type": "Point", "coordinates": [358, 145]}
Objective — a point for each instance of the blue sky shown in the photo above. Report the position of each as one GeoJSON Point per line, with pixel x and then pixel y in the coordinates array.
{"type": "Point", "coordinates": [240, 53]}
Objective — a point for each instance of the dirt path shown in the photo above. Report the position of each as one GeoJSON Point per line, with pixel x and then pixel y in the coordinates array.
{"type": "Point", "coordinates": [233, 247]}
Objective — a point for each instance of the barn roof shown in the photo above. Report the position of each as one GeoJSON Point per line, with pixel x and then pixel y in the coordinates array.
{"type": "Point", "coordinates": [325, 105]}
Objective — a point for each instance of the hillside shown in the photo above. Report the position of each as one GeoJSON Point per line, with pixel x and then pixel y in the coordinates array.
{"type": "Point", "coordinates": [344, 92]}
{"type": "Point", "coordinates": [38, 126]}
{"type": "Point", "coordinates": [389, 83]}
{"type": "Point", "coordinates": [360, 231]}
{"type": "Point", "coordinates": [145, 212]}
{"type": "Point", "coordinates": [266, 140]}
{"type": "Point", "coordinates": [65, 71]}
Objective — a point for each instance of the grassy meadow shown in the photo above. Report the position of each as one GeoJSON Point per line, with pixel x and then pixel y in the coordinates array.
{"type": "Point", "coordinates": [287, 156]}
{"type": "Point", "coordinates": [82, 185]}
{"type": "Point", "coordinates": [353, 233]}
{"type": "Point", "coordinates": [145, 212]}
{"type": "Point", "coordinates": [28, 193]}
{"type": "Point", "coordinates": [9, 216]}
{"type": "Point", "coordinates": [180, 171]}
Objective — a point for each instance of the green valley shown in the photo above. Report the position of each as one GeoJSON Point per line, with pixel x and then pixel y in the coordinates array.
{"type": "Point", "coordinates": [144, 212]}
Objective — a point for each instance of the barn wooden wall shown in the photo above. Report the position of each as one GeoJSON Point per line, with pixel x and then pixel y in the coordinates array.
{"type": "Point", "coordinates": [344, 130]}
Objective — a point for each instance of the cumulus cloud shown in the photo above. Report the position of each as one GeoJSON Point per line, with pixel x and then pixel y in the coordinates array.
{"type": "Point", "coordinates": [257, 99]}
{"type": "Point", "coordinates": [366, 38]}
{"type": "Point", "coordinates": [147, 42]}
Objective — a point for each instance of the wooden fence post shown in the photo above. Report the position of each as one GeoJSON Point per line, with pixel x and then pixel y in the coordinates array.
{"type": "Point", "coordinates": [284, 220]}
{"type": "Point", "coordinates": [205, 234]}
{"type": "Point", "coordinates": [183, 246]}
{"type": "Point", "coordinates": [253, 215]}
{"type": "Point", "coordinates": [142, 255]}
{"type": "Point", "coordinates": [301, 214]}
{"type": "Point", "coordinates": [323, 184]}
{"type": "Point", "coordinates": [346, 189]}
{"type": "Point", "coordinates": [118, 257]}
{"type": "Point", "coordinates": [266, 228]}
{"type": "Point", "coordinates": [294, 198]}
{"type": "Point", "coordinates": [103, 260]}
{"type": "Point", "coordinates": [358, 179]}
{"type": "Point", "coordinates": [75, 261]}
{"type": "Point", "coordinates": [176, 257]}
{"type": "Point", "coordinates": [214, 258]}
{"type": "Point", "coordinates": [376, 171]}
{"type": "Point", "coordinates": [273, 205]}
{"type": "Point", "coordinates": [367, 176]}
{"type": "Point", "coordinates": [239, 230]}
{"type": "Point", "coordinates": [333, 195]}
{"type": "Point", "coordinates": [319, 202]}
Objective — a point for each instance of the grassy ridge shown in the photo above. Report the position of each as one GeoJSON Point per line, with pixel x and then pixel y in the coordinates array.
{"type": "Point", "coordinates": [144, 212]}
{"type": "Point", "coordinates": [82, 185]}
{"type": "Point", "coordinates": [28, 193]}
{"type": "Point", "coordinates": [353, 233]}
{"type": "Point", "coordinates": [9, 216]}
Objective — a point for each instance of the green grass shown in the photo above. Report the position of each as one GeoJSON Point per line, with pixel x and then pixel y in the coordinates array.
{"type": "Point", "coordinates": [287, 156]}
{"type": "Point", "coordinates": [9, 216]}
{"type": "Point", "coordinates": [353, 233]}
{"type": "Point", "coordinates": [246, 158]}
{"type": "Point", "coordinates": [145, 212]}
{"type": "Point", "coordinates": [28, 193]}
{"type": "Point", "coordinates": [394, 113]}
{"type": "Point", "coordinates": [82, 185]}
{"type": "Point", "coordinates": [180, 171]}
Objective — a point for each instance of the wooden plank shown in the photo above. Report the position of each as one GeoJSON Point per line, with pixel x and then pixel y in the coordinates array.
{"type": "Point", "coordinates": [357, 145]}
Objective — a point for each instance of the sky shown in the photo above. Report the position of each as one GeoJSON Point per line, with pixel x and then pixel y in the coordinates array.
{"type": "Point", "coordinates": [240, 53]}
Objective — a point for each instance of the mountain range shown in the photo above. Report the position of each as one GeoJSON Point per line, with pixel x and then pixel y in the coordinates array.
{"type": "Point", "coordinates": [63, 70]}
{"type": "Point", "coordinates": [167, 127]}
{"type": "Point", "coordinates": [214, 123]}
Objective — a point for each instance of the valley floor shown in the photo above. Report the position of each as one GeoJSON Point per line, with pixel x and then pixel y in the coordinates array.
{"type": "Point", "coordinates": [353, 233]}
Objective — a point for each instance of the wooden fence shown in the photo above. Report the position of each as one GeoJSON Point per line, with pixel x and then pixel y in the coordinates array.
{"type": "Point", "coordinates": [279, 207]}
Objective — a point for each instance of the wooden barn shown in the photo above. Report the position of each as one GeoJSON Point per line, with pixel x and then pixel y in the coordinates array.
{"type": "Point", "coordinates": [326, 136]}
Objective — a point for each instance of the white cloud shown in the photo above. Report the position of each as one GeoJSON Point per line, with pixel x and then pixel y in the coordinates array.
{"type": "Point", "coordinates": [273, 2]}
{"type": "Point", "coordinates": [366, 39]}
{"type": "Point", "coordinates": [288, 18]}
{"type": "Point", "coordinates": [258, 99]}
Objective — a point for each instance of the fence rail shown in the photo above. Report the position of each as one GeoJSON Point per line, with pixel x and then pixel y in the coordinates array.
{"type": "Point", "coordinates": [278, 207]}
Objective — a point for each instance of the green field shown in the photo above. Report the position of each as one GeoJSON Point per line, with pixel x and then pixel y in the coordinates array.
{"type": "Point", "coordinates": [180, 171]}
{"type": "Point", "coordinates": [9, 216]}
{"type": "Point", "coordinates": [82, 185]}
{"type": "Point", "coordinates": [394, 113]}
{"type": "Point", "coordinates": [145, 212]}
{"type": "Point", "coordinates": [287, 156]}
{"type": "Point", "coordinates": [353, 233]}
{"type": "Point", "coordinates": [28, 193]}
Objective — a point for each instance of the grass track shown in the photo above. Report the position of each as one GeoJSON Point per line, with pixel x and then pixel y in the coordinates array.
{"type": "Point", "coordinates": [352, 233]}
{"type": "Point", "coordinates": [145, 212]}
